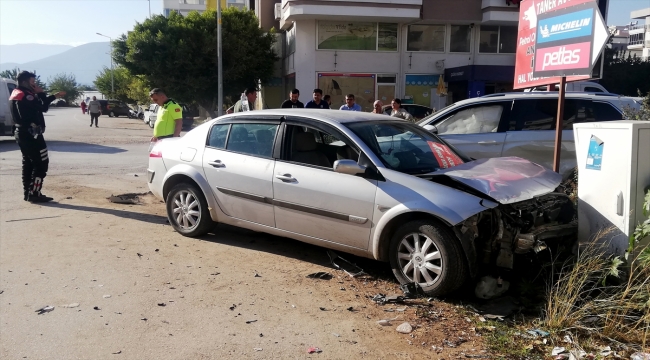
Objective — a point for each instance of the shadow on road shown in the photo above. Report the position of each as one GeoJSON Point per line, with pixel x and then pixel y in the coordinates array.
{"type": "Point", "coordinates": [66, 146]}
{"type": "Point", "coordinates": [246, 239]}
{"type": "Point", "coordinates": [153, 219]}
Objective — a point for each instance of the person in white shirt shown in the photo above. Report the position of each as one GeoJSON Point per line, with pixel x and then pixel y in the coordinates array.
{"type": "Point", "coordinates": [399, 112]}
{"type": "Point", "coordinates": [95, 109]}
{"type": "Point", "coordinates": [350, 105]}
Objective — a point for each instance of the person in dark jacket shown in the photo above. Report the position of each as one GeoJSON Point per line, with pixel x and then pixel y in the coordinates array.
{"type": "Point", "coordinates": [28, 102]}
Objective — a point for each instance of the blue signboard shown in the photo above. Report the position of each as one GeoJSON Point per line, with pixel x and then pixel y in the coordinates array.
{"type": "Point", "coordinates": [569, 26]}
{"type": "Point", "coordinates": [595, 154]}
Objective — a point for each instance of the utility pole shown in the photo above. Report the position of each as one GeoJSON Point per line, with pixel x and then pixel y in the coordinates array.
{"type": "Point", "coordinates": [149, 9]}
{"type": "Point", "coordinates": [111, 55]}
{"type": "Point", "coordinates": [219, 62]}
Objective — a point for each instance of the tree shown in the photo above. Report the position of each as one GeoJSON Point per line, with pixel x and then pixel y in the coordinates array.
{"type": "Point", "coordinates": [179, 54]}
{"type": "Point", "coordinates": [643, 113]}
{"type": "Point", "coordinates": [138, 90]}
{"type": "Point", "coordinates": [625, 74]}
{"type": "Point", "coordinates": [13, 75]}
{"type": "Point", "coordinates": [122, 80]}
{"type": "Point", "coordinates": [68, 83]}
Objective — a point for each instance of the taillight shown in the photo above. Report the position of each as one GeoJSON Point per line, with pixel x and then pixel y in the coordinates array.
{"type": "Point", "coordinates": [155, 151]}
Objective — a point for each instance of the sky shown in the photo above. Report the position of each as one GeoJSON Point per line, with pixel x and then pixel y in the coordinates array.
{"type": "Point", "coordinates": [70, 22]}
{"type": "Point", "coordinates": [76, 22]}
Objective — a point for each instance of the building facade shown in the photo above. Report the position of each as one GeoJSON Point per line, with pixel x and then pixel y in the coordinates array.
{"type": "Point", "coordinates": [639, 41]}
{"type": "Point", "coordinates": [184, 7]}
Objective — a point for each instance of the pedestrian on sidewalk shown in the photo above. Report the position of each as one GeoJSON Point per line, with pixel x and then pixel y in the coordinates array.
{"type": "Point", "coordinates": [399, 112]}
{"type": "Point", "coordinates": [28, 102]}
{"type": "Point", "coordinates": [83, 107]}
{"type": "Point", "coordinates": [318, 102]}
{"type": "Point", "coordinates": [250, 95]}
{"type": "Point", "coordinates": [293, 102]}
{"type": "Point", "coordinates": [95, 109]}
{"type": "Point", "coordinates": [328, 100]}
{"type": "Point", "coordinates": [377, 107]}
{"type": "Point", "coordinates": [350, 105]}
{"type": "Point", "coordinates": [169, 120]}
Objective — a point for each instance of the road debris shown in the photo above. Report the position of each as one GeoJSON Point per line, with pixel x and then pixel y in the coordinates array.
{"type": "Point", "coordinates": [558, 350]}
{"type": "Point", "coordinates": [405, 328]}
{"type": "Point", "coordinates": [96, 308]}
{"type": "Point", "coordinates": [132, 199]}
{"type": "Point", "coordinates": [340, 263]}
{"type": "Point", "coordinates": [107, 296]}
{"type": "Point", "coordinates": [322, 308]}
{"type": "Point", "coordinates": [313, 350]}
{"type": "Point", "coordinates": [250, 321]}
{"type": "Point", "coordinates": [640, 356]}
{"type": "Point", "coordinates": [232, 308]}
{"type": "Point", "coordinates": [162, 304]}
{"type": "Point", "coordinates": [382, 299]}
{"type": "Point", "coordinates": [386, 322]}
{"type": "Point", "coordinates": [337, 335]}
{"type": "Point", "coordinates": [257, 275]}
{"type": "Point", "coordinates": [69, 306]}
{"type": "Point", "coordinates": [411, 290]}
{"type": "Point", "coordinates": [143, 319]}
{"type": "Point", "coordinates": [139, 255]}
{"type": "Point", "coordinates": [117, 352]}
{"type": "Point", "coordinates": [320, 275]}
{"type": "Point", "coordinates": [257, 349]}
{"type": "Point", "coordinates": [44, 309]}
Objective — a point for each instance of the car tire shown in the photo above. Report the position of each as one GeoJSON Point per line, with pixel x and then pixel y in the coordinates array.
{"type": "Point", "coordinates": [446, 268]}
{"type": "Point", "coordinates": [151, 124]}
{"type": "Point", "coordinates": [187, 210]}
{"type": "Point", "coordinates": [112, 114]}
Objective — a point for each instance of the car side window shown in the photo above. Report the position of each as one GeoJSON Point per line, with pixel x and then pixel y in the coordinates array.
{"type": "Point", "coordinates": [473, 120]}
{"type": "Point", "coordinates": [606, 112]}
{"type": "Point", "coordinates": [541, 114]}
{"type": "Point", "coordinates": [592, 89]}
{"type": "Point", "coordinates": [218, 135]}
{"type": "Point", "coordinates": [315, 147]}
{"type": "Point", "coordinates": [252, 139]}
{"type": "Point", "coordinates": [11, 88]}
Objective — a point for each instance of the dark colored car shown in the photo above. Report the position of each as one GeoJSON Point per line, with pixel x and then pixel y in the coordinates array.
{"type": "Point", "coordinates": [114, 108]}
{"type": "Point", "coordinates": [418, 111]}
{"type": "Point", "coordinates": [188, 116]}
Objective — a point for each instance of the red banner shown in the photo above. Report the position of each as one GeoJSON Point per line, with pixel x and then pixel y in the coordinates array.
{"type": "Point", "coordinates": [528, 12]}
{"type": "Point", "coordinates": [446, 158]}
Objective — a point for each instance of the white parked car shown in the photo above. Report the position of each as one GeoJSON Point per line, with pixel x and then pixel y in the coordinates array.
{"type": "Point", "coordinates": [522, 124]}
{"type": "Point", "coordinates": [150, 115]}
{"type": "Point", "coordinates": [361, 183]}
{"type": "Point", "coordinates": [7, 86]}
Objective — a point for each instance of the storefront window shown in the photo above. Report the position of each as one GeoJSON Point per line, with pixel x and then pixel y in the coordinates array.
{"type": "Point", "coordinates": [339, 85]}
{"type": "Point", "coordinates": [498, 39]}
{"type": "Point", "coordinates": [426, 38]}
{"type": "Point", "coordinates": [387, 39]}
{"type": "Point", "coordinates": [343, 35]}
{"type": "Point", "coordinates": [421, 88]}
{"type": "Point", "coordinates": [460, 38]}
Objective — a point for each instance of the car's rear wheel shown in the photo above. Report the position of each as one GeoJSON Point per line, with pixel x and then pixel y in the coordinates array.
{"type": "Point", "coordinates": [427, 253]}
{"type": "Point", "coordinates": [112, 114]}
{"type": "Point", "coordinates": [151, 124]}
{"type": "Point", "coordinates": [187, 210]}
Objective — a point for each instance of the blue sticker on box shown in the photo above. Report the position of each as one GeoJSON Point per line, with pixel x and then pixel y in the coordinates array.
{"type": "Point", "coordinates": [595, 154]}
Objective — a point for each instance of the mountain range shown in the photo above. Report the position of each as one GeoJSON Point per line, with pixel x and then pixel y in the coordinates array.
{"type": "Point", "coordinates": [84, 61]}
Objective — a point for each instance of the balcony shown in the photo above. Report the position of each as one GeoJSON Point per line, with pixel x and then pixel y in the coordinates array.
{"type": "Point", "coordinates": [359, 10]}
{"type": "Point", "coordinates": [498, 12]}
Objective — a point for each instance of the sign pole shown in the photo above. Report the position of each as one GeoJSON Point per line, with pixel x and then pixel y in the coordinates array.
{"type": "Point", "coordinates": [559, 125]}
{"type": "Point", "coordinates": [219, 62]}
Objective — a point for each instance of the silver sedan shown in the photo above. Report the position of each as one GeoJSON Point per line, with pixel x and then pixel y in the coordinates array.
{"type": "Point", "coordinates": [364, 184]}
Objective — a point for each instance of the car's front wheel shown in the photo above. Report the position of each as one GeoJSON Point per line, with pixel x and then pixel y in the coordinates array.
{"type": "Point", "coordinates": [427, 253]}
{"type": "Point", "coordinates": [187, 210]}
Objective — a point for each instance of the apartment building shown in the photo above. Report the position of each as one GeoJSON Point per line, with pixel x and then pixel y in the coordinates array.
{"type": "Point", "coordinates": [184, 7]}
{"type": "Point", "coordinates": [639, 35]}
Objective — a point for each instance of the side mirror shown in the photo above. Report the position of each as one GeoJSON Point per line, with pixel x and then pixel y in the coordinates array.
{"type": "Point", "coordinates": [431, 128]}
{"type": "Point", "coordinates": [349, 167]}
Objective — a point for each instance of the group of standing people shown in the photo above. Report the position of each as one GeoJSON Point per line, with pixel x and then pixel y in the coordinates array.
{"type": "Point", "coordinates": [94, 108]}
{"type": "Point", "coordinates": [325, 102]}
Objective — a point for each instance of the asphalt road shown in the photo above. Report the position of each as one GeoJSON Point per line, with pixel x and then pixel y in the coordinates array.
{"type": "Point", "coordinates": [145, 292]}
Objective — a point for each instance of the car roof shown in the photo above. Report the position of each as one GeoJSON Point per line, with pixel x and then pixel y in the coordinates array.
{"type": "Point", "coordinates": [324, 115]}
{"type": "Point", "coordinates": [540, 95]}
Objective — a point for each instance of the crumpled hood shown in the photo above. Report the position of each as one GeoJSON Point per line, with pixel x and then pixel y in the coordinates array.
{"type": "Point", "coordinates": [506, 180]}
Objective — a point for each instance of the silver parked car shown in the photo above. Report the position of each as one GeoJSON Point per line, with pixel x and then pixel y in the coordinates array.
{"type": "Point", "coordinates": [522, 124]}
{"type": "Point", "coordinates": [361, 183]}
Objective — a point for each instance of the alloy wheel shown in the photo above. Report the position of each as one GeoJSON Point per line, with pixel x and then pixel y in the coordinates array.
{"type": "Point", "coordinates": [420, 259]}
{"type": "Point", "coordinates": [187, 210]}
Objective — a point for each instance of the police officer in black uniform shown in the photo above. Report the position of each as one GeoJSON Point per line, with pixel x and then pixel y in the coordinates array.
{"type": "Point", "coordinates": [28, 103]}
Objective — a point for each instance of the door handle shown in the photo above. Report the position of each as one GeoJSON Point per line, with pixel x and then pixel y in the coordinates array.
{"type": "Point", "coordinates": [216, 163]}
{"type": "Point", "coordinates": [285, 177]}
{"type": "Point", "coordinates": [490, 142]}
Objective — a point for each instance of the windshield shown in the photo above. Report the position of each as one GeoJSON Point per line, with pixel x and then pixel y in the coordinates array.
{"type": "Point", "coordinates": [406, 147]}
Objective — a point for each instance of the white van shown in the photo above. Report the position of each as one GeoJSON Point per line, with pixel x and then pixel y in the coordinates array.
{"type": "Point", "coordinates": [7, 86]}
{"type": "Point", "coordinates": [579, 86]}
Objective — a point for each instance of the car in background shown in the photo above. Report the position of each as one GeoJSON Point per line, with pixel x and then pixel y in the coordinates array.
{"type": "Point", "coordinates": [7, 86]}
{"type": "Point", "coordinates": [580, 86]}
{"type": "Point", "coordinates": [150, 115]}
{"type": "Point", "coordinates": [365, 184]}
{"type": "Point", "coordinates": [522, 124]}
{"type": "Point", "coordinates": [418, 111]}
{"type": "Point", "coordinates": [188, 116]}
{"type": "Point", "coordinates": [114, 108]}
